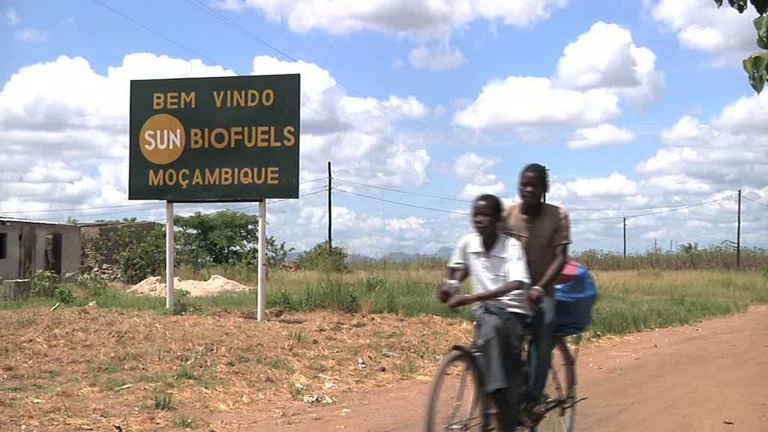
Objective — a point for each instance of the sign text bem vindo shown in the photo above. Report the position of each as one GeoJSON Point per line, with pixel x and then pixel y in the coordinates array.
{"type": "Point", "coordinates": [219, 139]}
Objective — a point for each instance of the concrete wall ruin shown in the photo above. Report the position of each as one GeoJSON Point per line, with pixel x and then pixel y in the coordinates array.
{"type": "Point", "coordinates": [28, 246]}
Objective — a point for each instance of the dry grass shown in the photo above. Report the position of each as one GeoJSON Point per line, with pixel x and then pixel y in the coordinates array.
{"type": "Point", "coordinates": [94, 367]}
{"type": "Point", "coordinates": [128, 363]}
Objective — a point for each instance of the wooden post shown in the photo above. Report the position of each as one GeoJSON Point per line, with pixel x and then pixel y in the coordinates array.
{"type": "Point", "coordinates": [625, 238]}
{"type": "Point", "coordinates": [330, 211]}
{"type": "Point", "coordinates": [738, 235]}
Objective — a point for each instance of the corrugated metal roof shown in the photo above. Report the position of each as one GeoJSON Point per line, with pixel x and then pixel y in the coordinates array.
{"type": "Point", "coordinates": [33, 221]}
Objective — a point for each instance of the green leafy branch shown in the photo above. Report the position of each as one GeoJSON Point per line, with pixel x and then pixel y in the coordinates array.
{"type": "Point", "coordinates": [756, 65]}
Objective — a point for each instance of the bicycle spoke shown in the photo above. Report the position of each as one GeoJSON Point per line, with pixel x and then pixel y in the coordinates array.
{"type": "Point", "coordinates": [457, 374]}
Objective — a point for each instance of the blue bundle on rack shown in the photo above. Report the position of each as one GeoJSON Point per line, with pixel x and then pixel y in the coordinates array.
{"type": "Point", "coordinates": [575, 300]}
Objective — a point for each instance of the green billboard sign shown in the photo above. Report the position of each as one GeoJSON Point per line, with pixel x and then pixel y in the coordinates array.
{"type": "Point", "coordinates": [219, 139]}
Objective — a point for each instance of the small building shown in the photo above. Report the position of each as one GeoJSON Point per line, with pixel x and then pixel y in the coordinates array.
{"type": "Point", "coordinates": [28, 246]}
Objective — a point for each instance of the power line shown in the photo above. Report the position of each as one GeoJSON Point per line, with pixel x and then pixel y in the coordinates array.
{"type": "Point", "coordinates": [227, 209]}
{"type": "Point", "coordinates": [153, 31]}
{"type": "Point", "coordinates": [303, 104]}
{"type": "Point", "coordinates": [401, 203]}
{"type": "Point", "coordinates": [77, 210]}
{"type": "Point", "coordinates": [100, 214]}
{"type": "Point", "coordinates": [666, 210]}
{"type": "Point", "coordinates": [209, 10]}
{"type": "Point", "coordinates": [678, 206]}
{"type": "Point", "coordinates": [402, 191]}
{"type": "Point", "coordinates": [683, 208]}
{"type": "Point", "coordinates": [570, 209]}
{"type": "Point", "coordinates": [221, 17]}
{"type": "Point", "coordinates": [575, 220]}
{"type": "Point", "coordinates": [754, 201]}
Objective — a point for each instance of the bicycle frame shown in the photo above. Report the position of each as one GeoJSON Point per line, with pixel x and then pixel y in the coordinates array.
{"type": "Point", "coordinates": [474, 355]}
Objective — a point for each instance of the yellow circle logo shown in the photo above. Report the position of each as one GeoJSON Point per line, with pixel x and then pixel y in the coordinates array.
{"type": "Point", "coordinates": [162, 139]}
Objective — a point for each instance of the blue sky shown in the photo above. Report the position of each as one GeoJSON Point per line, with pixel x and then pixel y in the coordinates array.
{"type": "Point", "coordinates": [665, 116]}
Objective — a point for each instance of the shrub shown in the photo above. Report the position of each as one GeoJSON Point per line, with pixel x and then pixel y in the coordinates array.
{"type": "Point", "coordinates": [319, 258]}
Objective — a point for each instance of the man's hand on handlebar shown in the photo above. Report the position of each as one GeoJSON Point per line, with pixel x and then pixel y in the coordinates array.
{"type": "Point", "coordinates": [536, 295]}
{"type": "Point", "coordinates": [447, 289]}
{"type": "Point", "coordinates": [459, 300]}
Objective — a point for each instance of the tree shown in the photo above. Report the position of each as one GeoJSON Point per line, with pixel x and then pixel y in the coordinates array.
{"type": "Point", "coordinates": [139, 250]}
{"type": "Point", "coordinates": [756, 65]}
{"type": "Point", "coordinates": [224, 238]}
{"type": "Point", "coordinates": [319, 258]}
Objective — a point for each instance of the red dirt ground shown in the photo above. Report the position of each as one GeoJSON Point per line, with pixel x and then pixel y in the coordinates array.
{"type": "Point", "coordinates": [712, 376]}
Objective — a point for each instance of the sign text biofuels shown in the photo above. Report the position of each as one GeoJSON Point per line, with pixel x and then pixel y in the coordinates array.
{"type": "Point", "coordinates": [215, 139]}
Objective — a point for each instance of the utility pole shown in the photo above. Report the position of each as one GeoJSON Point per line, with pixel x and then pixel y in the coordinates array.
{"type": "Point", "coordinates": [738, 235]}
{"type": "Point", "coordinates": [330, 209]}
{"type": "Point", "coordinates": [547, 183]}
{"type": "Point", "coordinates": [625, 237]}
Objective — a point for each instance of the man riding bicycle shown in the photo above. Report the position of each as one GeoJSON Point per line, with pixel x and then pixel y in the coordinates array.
{"type": "Point", "coordinates": [498, 268]}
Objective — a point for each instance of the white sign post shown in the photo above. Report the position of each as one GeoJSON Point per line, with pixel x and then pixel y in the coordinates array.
{"type": "Point", "coordinates": [262, 288]}
{"type": "Point", "coordinates": [169, 253]}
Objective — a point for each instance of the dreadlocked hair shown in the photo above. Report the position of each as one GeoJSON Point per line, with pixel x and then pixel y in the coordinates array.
{"type": "Point", "coordinates": [538, 170]}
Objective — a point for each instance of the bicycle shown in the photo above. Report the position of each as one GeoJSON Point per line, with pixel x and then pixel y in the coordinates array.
{"type": "Point", "coordinates": [565, 400]}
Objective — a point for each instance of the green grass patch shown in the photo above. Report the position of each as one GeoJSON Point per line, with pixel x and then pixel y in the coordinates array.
{"type": "Point", "coordinates": [184, 422]}
{"type": "Point", "coordinates": [164, 402]}
{"type": "Point", "coordinates": [276, 364]}
{"type": "Point", "coordinates": [629, 301]}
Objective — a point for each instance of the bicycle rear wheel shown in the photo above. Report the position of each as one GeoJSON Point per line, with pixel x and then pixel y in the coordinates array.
{"type": "Point", "coordinates": [458, 374]}
{"type": "Point", "coordinates": [560, 391]}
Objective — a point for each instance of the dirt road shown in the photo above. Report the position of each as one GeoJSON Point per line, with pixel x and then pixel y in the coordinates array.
{"type": "Point", "coordinates": [712, 376]}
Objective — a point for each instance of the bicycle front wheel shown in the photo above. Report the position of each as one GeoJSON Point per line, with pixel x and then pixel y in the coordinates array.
{"type": "Point", "coordinates": [457, 401]}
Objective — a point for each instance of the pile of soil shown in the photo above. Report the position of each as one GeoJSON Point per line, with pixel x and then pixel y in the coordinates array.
{"type": "Point", "coordinates": [155, 286]}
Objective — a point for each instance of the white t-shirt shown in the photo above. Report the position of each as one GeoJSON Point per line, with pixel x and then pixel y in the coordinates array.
{"type": "Point", "coordinates": [504, 263]}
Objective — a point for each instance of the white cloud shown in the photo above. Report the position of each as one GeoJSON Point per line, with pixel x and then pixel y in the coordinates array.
{"type": "Point", "coordinates": [482, 184]}
{"type": "Point", "coordinates": [729, 152]}
{"type": "Point", "coordinates": [688, 129]}
{"type": "Point", "coordinates": [700, 25]}
{"type": "Point", "coordinates": [30, 35]}
{"type": "Point", "coordinates": [73, 121]}
{"type": "Point", "coordinates": [598, 71]}
{"type": "Point", "coordinates": [473, 167]}
{"type": "Point", "coordinates": [600, 57]}
{"type": "Point", "coordinates": [439, 59]}
{"type": "Point", "coordinates": [607, 57]}
{"type": "Point", "coordinates": [679, 183]}
{"type": "Point", "coordinates": [747, 114]}
{"type": "Point", "coordinates": [12, 17]}
{"type": "Point", "coordinates": [426, 17]}
{"type": "Point", "coordinates": [230, 5]}
{"type": "Point", "coordinates": [525, 101]}
{"type": "Point", "coordinates": [407, 224]}
{"type": "Point", "coordinates": [468, 165]}
{"type": "Point", "coordinates": [614, 185]}
{"type": "Point", "coordinates": [601, 135]}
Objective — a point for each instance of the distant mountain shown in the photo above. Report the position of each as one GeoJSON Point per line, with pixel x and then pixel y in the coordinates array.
{"type": "Point", "coordinates": [442, 253]}
{"type": "Point", "coordinates": [292, 257]}
{"type": "Point", "coordinates": [357, 258]}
